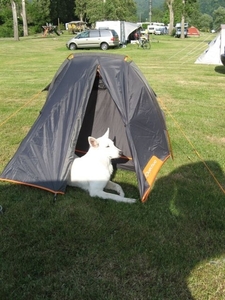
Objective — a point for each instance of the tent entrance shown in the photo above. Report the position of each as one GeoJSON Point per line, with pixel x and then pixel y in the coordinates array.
{"type": "Point", "coordinates": [102, 113]}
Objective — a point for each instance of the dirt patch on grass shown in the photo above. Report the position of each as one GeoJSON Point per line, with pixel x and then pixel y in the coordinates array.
{"type": "Point", "coordinates": [216, 140]}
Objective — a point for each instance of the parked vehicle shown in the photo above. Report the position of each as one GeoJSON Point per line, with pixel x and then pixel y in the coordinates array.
{"type": "Point", "coordinates": [151, 29]}
{"type": "Point", "coordinates": [157, 28]}
{"type": "Point", "coordinates": [161, 30]}
{"type": "Point", "coordinates": [178, 30]}
{"type": "Point", "coordinates": [94, 38]}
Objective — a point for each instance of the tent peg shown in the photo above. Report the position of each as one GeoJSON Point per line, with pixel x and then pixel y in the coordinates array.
{"type": "Point", "coordinates": [54, 198]}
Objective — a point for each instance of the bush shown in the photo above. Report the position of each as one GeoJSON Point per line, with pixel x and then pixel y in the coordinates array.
{"type": "Point", "coordinates": [34, 29]}
{"type": "Point", "coordinates": [6, 31]}
{"type": "Point", "coordinates": [144, 26]}
{"type": "Point", "coordinates": [173, 32]}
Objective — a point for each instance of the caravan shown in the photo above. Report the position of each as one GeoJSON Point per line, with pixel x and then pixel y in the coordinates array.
{"type": "Point", "coordinates": [178, 30]}
{"type": "Point", "coordinates": [157, 28]}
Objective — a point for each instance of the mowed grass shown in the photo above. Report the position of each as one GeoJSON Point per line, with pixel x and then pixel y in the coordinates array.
{"type": "Point", "coordinates": [170, 248]}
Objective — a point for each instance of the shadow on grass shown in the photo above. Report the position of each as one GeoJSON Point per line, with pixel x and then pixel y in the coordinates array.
{"type": "Point", "coordinates": [84, 248]}
{"type": "Point", "coordinates": [220, 69]}
{"type": "Point", "coordinates": [190, 226]}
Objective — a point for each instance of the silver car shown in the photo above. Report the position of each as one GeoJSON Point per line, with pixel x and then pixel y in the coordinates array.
{"type": "Point", "coordinates": [94, 38]}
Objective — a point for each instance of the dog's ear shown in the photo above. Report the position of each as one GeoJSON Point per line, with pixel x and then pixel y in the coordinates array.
{"type": "Point", "coordinates": [106, 135]}
{"type": "Point", "coordinates": [93, 142]}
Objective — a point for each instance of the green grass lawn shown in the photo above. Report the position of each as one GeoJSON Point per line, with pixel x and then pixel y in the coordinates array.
{"type": "Point", "coordinates": [170, 248]}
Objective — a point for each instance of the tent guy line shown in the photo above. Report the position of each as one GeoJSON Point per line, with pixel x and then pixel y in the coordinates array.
{"type": "Point", "coordinates": [192, 54]}
{"type": "Point", "coordinates": [191, 144]}
{"type": "Point", "coordinates": [184, 49]}
{"type": "Point", "coordinates": [19, 109]}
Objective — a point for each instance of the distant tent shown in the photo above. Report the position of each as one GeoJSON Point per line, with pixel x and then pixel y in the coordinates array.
{"type": "Point", "coordinates": [193, 31]}
{"type": "Point", "coordinates": [89, 93]}
{"type": "Point", "coordinates": [212, 55]}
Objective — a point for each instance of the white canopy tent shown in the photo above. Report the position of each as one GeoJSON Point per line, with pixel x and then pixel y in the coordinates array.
{"type": "Point", "coordinates": [123, 28]}
{"type": "Point", "coordinates": [213, 53]}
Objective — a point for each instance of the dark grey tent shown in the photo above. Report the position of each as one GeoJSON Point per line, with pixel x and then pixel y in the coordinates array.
{"type": "Point", "coordinates": [90, 93]}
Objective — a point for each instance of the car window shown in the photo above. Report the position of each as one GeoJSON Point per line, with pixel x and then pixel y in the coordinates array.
{"type": "Point", "coordinates": [84, 34]}
{"type": "Point", "coordinates": [114, 33]}
{"type": "Point", "coordinates": [105, 33]}
{"type": "Point", "coordinates": [94, 33]}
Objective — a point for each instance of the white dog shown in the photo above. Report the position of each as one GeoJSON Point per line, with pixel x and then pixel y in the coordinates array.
{"type": "Point", "coordinates": [92, 171]}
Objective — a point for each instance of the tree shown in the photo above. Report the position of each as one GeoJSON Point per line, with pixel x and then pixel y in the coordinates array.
{"type": "Point", "coordinates": [38, 14]}
{"type": "Point", "coordinates": [142, 14]}
{"type": "Point", "coordinates": [194, 17]}
{"type": "Point", "coordinates": [121, 10]}
{"type": "Point", "coordinates": [158, 15]}
{"type": "Point", "coordinates": [191, 8]}
{"type": "Point", "coordinates": [95, 10]}
{"type": "Point", "coordinates": [130, 10]}
{"type": "Point", "coordinates": [143, 10]}
{"type": "Point", "coordinates": [219, 17]}
{"type": "Point", "coordinates": [171, 14]}
{"type": "Point", "coordinates": [187, 9]}
{"type": "Point", "coordinates": [61, 10]}
{"type": "Point", "coordinates": [80, 9]}
{"type": "Point", "coordinates": [6, 29]}
{"type": "Point", "coordinates": [209, 6]}
{"type": "Point", "coordinates": [182, 19]}
{"type": "Point", "coordinates": [205, 22]}
{"type": "Point", "coordinates": [180, 11]}
{"type": "Point", "coordinates": [15, 20]}
{"type": "Point", "coordinates": [24, 18]}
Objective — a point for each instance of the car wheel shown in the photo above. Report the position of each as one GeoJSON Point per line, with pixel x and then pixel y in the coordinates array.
{"type": "Point", "coordinates": [72, 46]}
{"type": "Point", "coordinates": [104, 46]}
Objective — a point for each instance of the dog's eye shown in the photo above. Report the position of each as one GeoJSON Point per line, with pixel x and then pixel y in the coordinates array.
{"type": "Point", "coordinates": [107, 146]}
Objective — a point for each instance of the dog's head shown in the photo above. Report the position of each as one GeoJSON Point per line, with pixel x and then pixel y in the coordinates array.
{"type": "Point", "coordinates": [105, 146]}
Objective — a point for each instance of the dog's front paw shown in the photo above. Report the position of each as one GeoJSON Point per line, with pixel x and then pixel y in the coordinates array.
{"type": "Point", "coordinates": [121, 193]}
{"type": "Point", "coordinates": [119, 190]}
{"type": "Point", "coordinates": [129, 200]}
